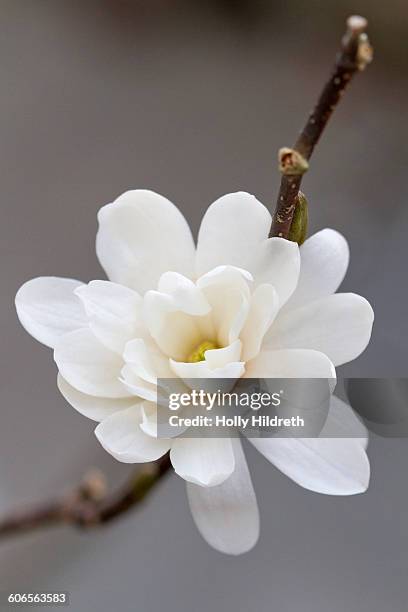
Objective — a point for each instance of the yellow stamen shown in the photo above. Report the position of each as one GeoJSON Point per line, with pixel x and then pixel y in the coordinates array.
{"type": "Point", "coordinates": [199, 352]}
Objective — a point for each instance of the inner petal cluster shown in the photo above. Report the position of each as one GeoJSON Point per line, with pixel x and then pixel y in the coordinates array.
{"type": "Point", "coordinates": [198, 354]}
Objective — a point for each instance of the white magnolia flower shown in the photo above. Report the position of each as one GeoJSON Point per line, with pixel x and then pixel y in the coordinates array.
{"type": "Point", "coordinates": [238, 304]}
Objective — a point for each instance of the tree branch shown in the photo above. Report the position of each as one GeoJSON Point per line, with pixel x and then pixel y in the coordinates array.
{"type": "Point", "coordinates": [356, 52]}
{"type": "Point", "coordinates": [88, 505]}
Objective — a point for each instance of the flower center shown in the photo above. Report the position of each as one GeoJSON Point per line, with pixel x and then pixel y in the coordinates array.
{"type": "Point", "coordinates": [198, 354]}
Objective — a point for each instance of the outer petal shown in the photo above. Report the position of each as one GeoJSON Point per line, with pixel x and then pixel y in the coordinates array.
{"type": "Point", "coordinates": [121, 436]}
{"type": "Point", "coordinates": [203, 461]}
{"type": "Point", "coordinates": [342, 422]}
{"type": "Point", "coordinates": [48, 308]}
{"type": "Point", "coordinates": [338, 325]}
{"type": "Point", "coordinates": [89, 366]}
{"type": "Point", "coordinates": [324, 261]}
{"type": "Point", "coordinates": [230, 232]}
{"type": "Point", "coordinates": [95, 408]}
{"type": "Point", "coordinates": [141, 235]}
{"type": "Point", "coordinates": [114, 311]}
{"type": "Point", "coordinates": [333, 466]}
{"type": "Point", "coordinates": [227, 515]}
{"type": "Point", "coordinates": [234, 231]}
{"type": "Point", "coordinates": [291, 363]}
{"type": "Point", "coordinates": [263, 309]}
{"type": "Point", "coordinates": [277, 262]}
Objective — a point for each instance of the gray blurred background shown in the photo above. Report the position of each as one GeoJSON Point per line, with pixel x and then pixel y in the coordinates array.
{"type": "Point", "coordinates": [193, 99]}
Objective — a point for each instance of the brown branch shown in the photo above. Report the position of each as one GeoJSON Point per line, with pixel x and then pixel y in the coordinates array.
{"type": "Point", "coordinates": [89, 505]}
{"type": "Point", "coordinates": [356, 52]}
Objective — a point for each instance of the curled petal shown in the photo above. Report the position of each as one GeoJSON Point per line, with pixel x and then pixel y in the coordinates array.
{"type": "Point", "coordinates": [202, 369]}
{"type": "Point", "coordinates": [227, 291]}
{"type": "Point", "coordinates": [121, 436]}
{"type": "Point", "coordinates": [175, 332]}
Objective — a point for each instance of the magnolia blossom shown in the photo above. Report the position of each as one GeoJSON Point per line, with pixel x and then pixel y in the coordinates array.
{"type": "Point", "coordinates": [239, 304]}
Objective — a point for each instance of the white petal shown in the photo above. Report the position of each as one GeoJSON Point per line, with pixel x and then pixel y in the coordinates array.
{"type": "Point", "coordinates": [342, 422]}
{"type": "Point", "coordinates": [230, 232]}
{"type": "Point", "coordinates": [48, 308]}
{"type": "Point", "coordinates": [136, 385]}
{"type": "Point", "coordinates": [175, 332]}
{"type": "Point", "coordinates": [227, 291]}
{"type": "Point", "coordinates": [149, 419]}
{"type": "Point", "coordinates": [226, 275]}
{"type": "Point", "coordinates": [227, 515]}
{"type": "Point", "coordinates": [220, 365]}
{"type": "Point", "coordinates": [201, 369]}
{"type": "Point", "coordinates": [277, 263]}
{"type": "Point", "coordinates": [290, 363]}
{"type": "Point", "coordinates": [147, 360]}
{"type": "Point", "coordinates": [121, 436]}
{"type": "Point", "coordinates": [263, 309]}
{"type": "Point", "coordinates": [338, 325]}
{"type": "Point", "coordinates": [137, 354]}
{"type": "Point", "coordinates": [324, 260]}
{"type": "Point", "coordinates": [203, 461]}
{"type": "Point", "coordinates": [89, 366]}
{"type": "Point", "coordinates": [141, 235]}
{"type": "Point", "coordinates": [218, 358]}
{"type": "Point", "coordinates": [186, 295]}
{"type": "Point", "coordinates": [333, 466]}
{"type": "Point", "coordinates": [114, 312]}
{"type": "Point", "coordinates": [95, 408]}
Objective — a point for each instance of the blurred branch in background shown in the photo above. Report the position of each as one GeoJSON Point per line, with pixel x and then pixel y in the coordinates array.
{"type": "Point", "coordinates": [89, 505]}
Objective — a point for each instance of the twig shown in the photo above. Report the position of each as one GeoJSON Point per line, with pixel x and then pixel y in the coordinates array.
{"type": "Point", "coordinates": [356, 52]}
{"type": "Point", "coordinates": [89, 505]}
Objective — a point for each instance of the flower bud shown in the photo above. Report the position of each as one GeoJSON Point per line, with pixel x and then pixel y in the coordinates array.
{"type": "Point", "coordinates": [298, 228]}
